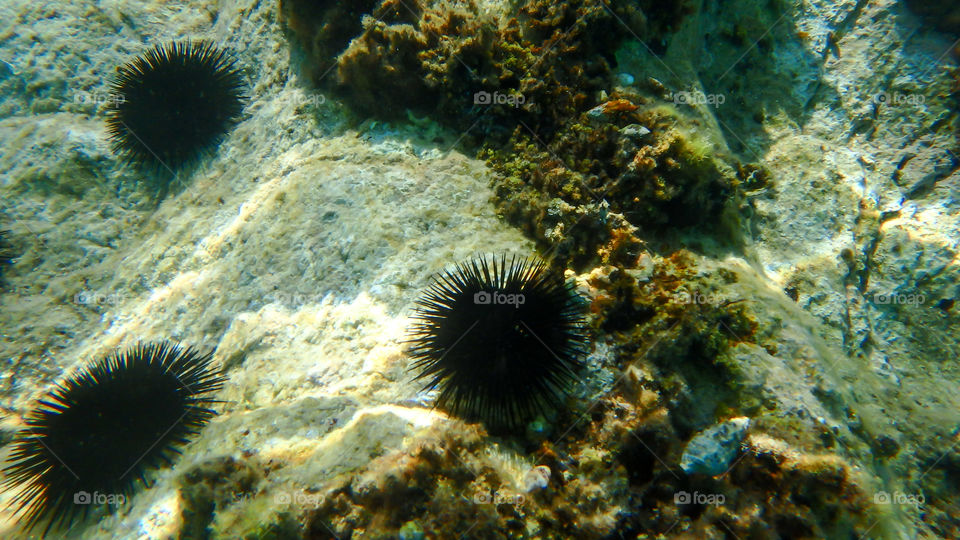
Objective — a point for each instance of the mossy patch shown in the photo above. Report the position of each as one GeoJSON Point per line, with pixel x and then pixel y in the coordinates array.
{"type": "Point", "coordinates": [630, 161]}
{"type": "Point", "coordinates": [211, 487]}
{"type": "Point", "coordinates": [532, 88]}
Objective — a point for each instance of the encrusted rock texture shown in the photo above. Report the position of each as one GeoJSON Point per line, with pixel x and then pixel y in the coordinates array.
{"type": "Point", "coordinates": [757, 200]}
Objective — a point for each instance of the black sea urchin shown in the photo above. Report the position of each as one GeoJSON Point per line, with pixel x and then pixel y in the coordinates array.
{"type": "Point", "coordinates": [501, 341]}
{"type": "Point", "coordinates": [174, 103]}
{"type": "Point", "coordinates": [94, 434]}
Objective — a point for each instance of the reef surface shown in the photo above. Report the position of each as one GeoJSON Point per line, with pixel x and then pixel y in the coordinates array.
{"type": "Point", "coordinates": [757, 200]}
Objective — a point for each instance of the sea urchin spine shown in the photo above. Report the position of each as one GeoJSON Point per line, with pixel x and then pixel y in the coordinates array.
{"type": "Point", "coordinates": [501, 341]}
{"type": "Point", "coordinates": [92, 436]}
{"type": "Point", "coordinates": [174, 103]}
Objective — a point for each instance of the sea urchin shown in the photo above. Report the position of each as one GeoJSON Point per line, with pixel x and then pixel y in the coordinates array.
{"type": "Point", "coordinates": [502, 342]}
{"type": "Point", "coordinates": [174, 103]}
{"type": "Point", "coordinates": [95, 434]}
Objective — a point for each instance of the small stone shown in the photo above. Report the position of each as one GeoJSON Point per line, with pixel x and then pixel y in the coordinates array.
{"type": "Point", "coordinates": [596, 113]}
{"type": "Point", "coordinates": [634, 131]}
{"type": "Point", "coordinates": [625, 79]}
{"type": "Point", "coordinates": [536, 478]}
{"type": "Point", "coordinates": [712, 450]}
{"type": "Point", "coordinates": [611, 109]}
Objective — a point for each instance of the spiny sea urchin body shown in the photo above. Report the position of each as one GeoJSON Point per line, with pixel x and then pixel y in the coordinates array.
{"type": "Point", "coordinates": [92, 436]}
{"type": "Point", "coordinates": [174, 103]}
{"type": "Point", "coordinates": [502, 341]}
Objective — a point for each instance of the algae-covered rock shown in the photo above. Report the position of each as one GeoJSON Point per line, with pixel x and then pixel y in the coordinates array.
{"type": "Point", "coordinates": [758, 201]}
{"type": "Point", "coordinates": [712, 451]}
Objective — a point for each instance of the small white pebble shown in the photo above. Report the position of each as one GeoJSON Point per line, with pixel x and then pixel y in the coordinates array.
{"type": "Point", "coordinates": [536, 478]}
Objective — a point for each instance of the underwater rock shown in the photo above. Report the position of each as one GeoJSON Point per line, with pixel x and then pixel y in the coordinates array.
{"type": "Point", "coordinates": [780, 481]}
{"type": "Point", "coordinates": [711, 451]}
{"type": "Point", "coordinates": [634, 131]}
{"type": "Point", "coordinates": [298, 252]}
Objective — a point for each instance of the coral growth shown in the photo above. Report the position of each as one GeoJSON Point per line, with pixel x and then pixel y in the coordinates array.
{"type": "Point", "coordinates": [674, 319]}
{"type": "Point", "coordinates": [324, 28]}
{"type": "Point", "coordinates": [209, 487]}
{"type": "Point", "coordinates": [615, 476]}
{"type": "Point", "coordinates": [392, 67]}
{"type": "Point", "coordinates": [445, 485]}
{"type": "Point", "coordinates": [530, 86]}
{"type": "Point", "coordinates": [634, 163]}
{"type": "Point", "coordinates": [819, 496]}
{"type": "Point", "coordinates": [544, 59]}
